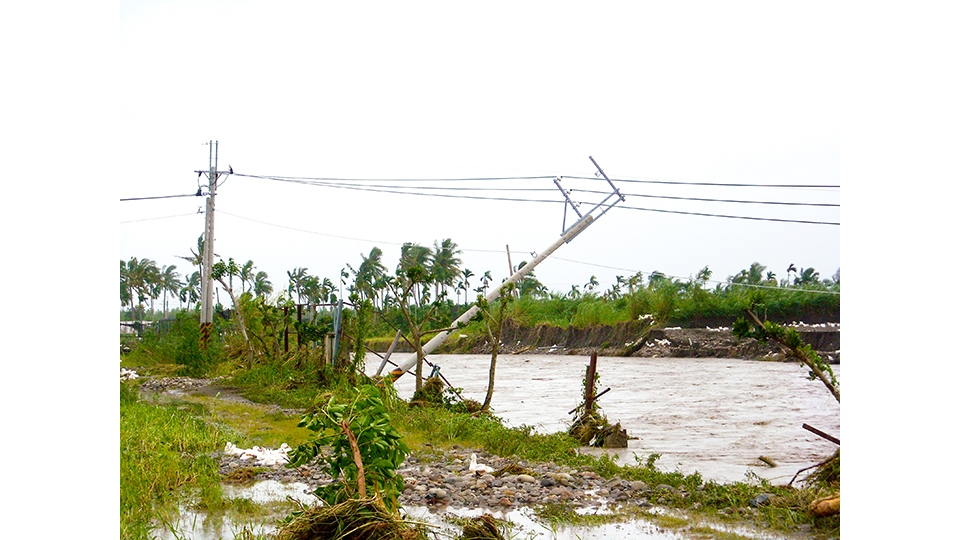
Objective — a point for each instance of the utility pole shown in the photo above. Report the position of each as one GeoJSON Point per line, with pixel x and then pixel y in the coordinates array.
{"type": "Point", "coordinates": [568, 235]}
{"type": "Point", "coordinates": [206, 285]}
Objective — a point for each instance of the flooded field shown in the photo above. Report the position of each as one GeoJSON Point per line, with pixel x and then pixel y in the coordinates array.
{"type": "Point", "coordinates": [715, 416]}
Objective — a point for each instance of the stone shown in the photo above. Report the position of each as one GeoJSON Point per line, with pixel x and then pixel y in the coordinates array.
{"type": "Point", "coordinates": [526, 478]}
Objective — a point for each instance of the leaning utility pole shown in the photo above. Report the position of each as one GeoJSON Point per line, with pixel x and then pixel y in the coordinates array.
{"type": "Point", "coordinates": [569, 233]}
{"type": "Point", "coordinates": [206, 285]}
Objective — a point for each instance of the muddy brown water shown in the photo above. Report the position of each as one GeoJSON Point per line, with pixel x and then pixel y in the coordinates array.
{"type": "Point", "coordinates": [715, 416]}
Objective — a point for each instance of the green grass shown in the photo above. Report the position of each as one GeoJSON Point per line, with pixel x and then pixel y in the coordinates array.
{"type": "Point", "coordinates": [163, 461]}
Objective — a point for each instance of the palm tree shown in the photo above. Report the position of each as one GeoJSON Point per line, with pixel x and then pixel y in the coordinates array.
{"type": "Point", "coordinates": [467, 274]}
{"type": "Point", "coordinates": [591, 285]}
{"type": "Point", "coordinates": [445, 264]}
{"type": "Point", "coordinates": [141, 277]}
{"type": "Point", "coordinates": [414, 255]}
{"type": "Point", "coordinates": [261, 285]}
{"type": "Point", "coordinates": [190, 291]}
{"type": "Point", "coordinates": [808, 276]}
{"type": "Point", "coordinates": [369, 276]}
{"type": "Point", "coordinates": [126, 295]}
{"type": "Point", "coordinates": [486, 279]}
{"type": "Point", "coordinates": [295, 285]}
{"type": "Point", "coordinates": [529, 285]}
{"type": "Point", "coordinates": [246, 276]}
{"type": "Point", "coordinates": [169, 282]}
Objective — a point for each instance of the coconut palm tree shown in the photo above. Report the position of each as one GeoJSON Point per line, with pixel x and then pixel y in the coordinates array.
{"type": "Point", "coordinates": [369, 275]}
{"type": "Point", "coordinates": [125, 294]}
{"type": "Point", "coordinates": [445, 264]}
{"type": "Point", "coordinates": [246, 276]}
{"type": "Point", "coordinates": [169, 282]}
{"type": "Point", "coordinates": [808, 276]}
{"type": "Point", "coordinates": [295, 279]}
{"type": "Point", "coordinates": [190, 291]}
{"type": "Point", "coordinates": [261, 284]}
{"type": "Point", "coordinates": [142, 276]}
{"type": "Point", "coordinates": [414, 255]}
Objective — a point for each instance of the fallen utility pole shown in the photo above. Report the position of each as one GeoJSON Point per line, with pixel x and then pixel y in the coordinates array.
{"type": "Point", "coordinates": [568, 235]}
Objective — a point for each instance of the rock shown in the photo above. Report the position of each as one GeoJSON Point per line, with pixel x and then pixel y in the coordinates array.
{"type": "Point", "coordinates": [637, 485]}
{"type": "Point", "coordinates": [438, 493]}
{"type": "Point", "coordinates": [760, 500]}
{"type": "Point", "coordinates": [526, 478]}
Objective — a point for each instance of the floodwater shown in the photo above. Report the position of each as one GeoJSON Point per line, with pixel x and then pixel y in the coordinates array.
{"type": "Point", "coordinates": [715, 416]}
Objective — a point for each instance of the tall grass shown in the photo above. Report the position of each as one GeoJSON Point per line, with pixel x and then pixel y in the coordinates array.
{"type": "Point", "coordinates": [164, 457]}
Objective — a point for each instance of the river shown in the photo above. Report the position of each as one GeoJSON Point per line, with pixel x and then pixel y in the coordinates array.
{"type": "Point", "coordinates": [716, 416]}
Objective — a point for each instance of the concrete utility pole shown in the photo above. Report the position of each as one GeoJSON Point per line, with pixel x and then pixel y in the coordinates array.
{"type": "Point", "coordinates": [568, 235]}
{"type": "Point", "coordinates": [206, 285]}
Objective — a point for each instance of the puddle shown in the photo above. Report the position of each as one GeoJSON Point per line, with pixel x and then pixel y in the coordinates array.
{"type": "Point", "coordinates": [526, 526]}
{"type": "Point", "coordinates": [193, 525]}
{"type": "Point", "coordinates": [197, 526]}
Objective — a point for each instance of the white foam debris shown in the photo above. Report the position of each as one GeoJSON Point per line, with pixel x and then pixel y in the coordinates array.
{"type": "Point", "coordinates": [262, 456]}
{"type": "Point", "coordinates": [128, 374]}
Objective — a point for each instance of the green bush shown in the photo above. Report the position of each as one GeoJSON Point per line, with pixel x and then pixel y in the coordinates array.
{"type": "Point", "coordinates": [179, 343]}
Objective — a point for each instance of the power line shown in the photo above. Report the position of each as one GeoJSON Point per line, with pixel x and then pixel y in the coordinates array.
{"type": "Point", "coordinates": [398, 191]}
{"type": "Point", "coordinates": [156, 218]}
{"type": "Point", "coordinates": [698, 199]}
{"type": "Point", "coordinates": [714, 184]}
{"type": "Point", "coordinates": [703, 214]}
{"type": "Point", "coordinates": [330, 179]}
{"type": "Point", "coordinates": [197, 194]}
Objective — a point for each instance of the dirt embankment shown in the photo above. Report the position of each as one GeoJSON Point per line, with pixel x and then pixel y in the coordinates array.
{"type": "Point", "coordinates": [635, 339]}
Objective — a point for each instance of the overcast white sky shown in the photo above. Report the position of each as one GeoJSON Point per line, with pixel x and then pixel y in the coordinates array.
{"type": "Point", "coordinates": [112, 100]}
{"type": "Point", "coordinates": [687, 93]}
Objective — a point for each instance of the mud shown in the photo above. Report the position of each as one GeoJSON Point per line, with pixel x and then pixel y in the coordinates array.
{"type": "Point", "coordinates": [635, 339]}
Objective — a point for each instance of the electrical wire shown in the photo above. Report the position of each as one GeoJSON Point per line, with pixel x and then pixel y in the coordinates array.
{"type": "Point", "coordinates": [398, 191]}
{"type": "Point", "coordinates": [197, 194]}
{"type": "Point", "coordinates": [329, 179]}
{"type": "Point", "coordinates": [703, 214]}
{"type": "Point", "coordinates": [714, 184]}
{"type": "Point", "coordinates": [156, 218]}
{"type": "Point", "coordinates": [698, 199]}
